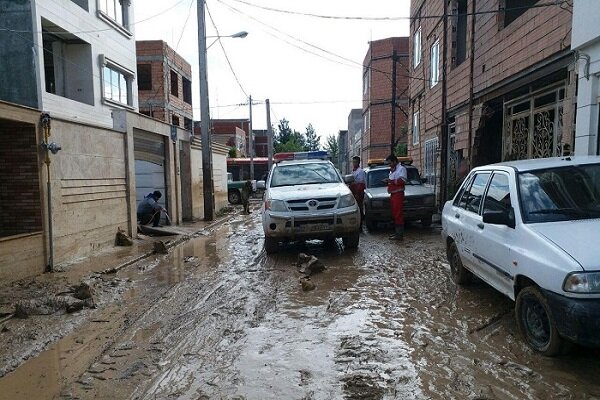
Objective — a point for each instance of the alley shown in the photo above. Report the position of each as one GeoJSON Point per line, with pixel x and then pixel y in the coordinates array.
{"type": "Point", "coordinates": [219, 319]}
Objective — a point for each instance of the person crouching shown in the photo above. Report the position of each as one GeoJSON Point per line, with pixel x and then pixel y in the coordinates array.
{"type": "Point", "coordinates": [149, 210]}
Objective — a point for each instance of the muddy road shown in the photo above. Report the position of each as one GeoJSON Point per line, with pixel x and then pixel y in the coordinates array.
{"type": "Point", "coordinates": [219, 319]}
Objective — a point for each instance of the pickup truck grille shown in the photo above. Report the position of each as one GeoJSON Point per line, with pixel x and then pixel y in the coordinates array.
{"type": "Point", "coordinates": [324, 203]}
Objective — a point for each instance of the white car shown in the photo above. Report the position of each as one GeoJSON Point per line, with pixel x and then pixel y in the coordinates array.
{"type": "Point", "coordinates": [308, 199]}
{"type": "Point", "coordinates": [531, 230]}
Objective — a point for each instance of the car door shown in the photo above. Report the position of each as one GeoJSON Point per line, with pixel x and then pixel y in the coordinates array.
{"type": "Point", "coordinates": [467, 217]}
{"type": "Point", "coordinates": [492, 248]}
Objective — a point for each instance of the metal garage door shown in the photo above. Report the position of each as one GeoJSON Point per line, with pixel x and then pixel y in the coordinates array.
{"type": "Point", "coordinates": [149, 152]}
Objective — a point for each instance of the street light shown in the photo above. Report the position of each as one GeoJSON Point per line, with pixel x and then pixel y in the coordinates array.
{"type": "Point", "coordinates": [239, 35]}
{"type": "Point", "coordinates": [207, 176]}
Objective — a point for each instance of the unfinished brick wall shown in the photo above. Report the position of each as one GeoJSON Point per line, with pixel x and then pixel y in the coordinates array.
{"type": "Point", "coordinates": [20, 203]}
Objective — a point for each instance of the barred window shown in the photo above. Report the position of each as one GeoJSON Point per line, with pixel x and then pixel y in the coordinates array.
{"type": "Point", "coordinates": [429, 170]}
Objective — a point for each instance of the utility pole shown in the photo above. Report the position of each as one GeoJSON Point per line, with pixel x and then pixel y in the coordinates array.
{"type": "Point", "coordinates": [393, 122]}
{"type": "Point", "coordinates": [269, 134]}
{"type": "Point", "coordinates": [207, 179]}
{"type": "Point", "coordinates": [251, 140]}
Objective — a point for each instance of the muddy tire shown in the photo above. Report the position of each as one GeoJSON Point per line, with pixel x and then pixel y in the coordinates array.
{"type": "Point", "coordinates": [271, 245]}
{"type": "Point", "coordinates": [234, 196]}
{"type": "Point", "coordinates": [351, 242]}
{"type": "Point", "coordinates": [426, 222]}
{"type": "Point", "coordinates": [460, 275]}
{"type": "Point", "coordinates": [536, 323]}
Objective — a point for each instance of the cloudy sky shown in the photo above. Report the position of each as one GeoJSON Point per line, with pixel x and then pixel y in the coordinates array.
{"type": "Point", "coordinates": [291, 59]}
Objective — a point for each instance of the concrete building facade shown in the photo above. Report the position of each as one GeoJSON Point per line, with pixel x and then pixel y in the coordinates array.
{"type": "Point", "coordinates": [164, 83]}
{"type": "Point", "coordinates": [355, 124]}
{"type": "Point", "coordinates": [384, 107]}
{"type": "Point", "coordinates": [586, 43]}
{"type": "Point", "coordinates": [342, 158]}
{"type": "Point", "coordinates": [493, 81]}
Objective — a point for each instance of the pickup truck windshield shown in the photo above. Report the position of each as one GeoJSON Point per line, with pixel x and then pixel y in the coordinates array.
{"type": "Point", "coordinates": [375, 177]}
{"type": "Point", "coordinates": [560, 194]}
{"type": "Point", "coordinates": [304, 174]}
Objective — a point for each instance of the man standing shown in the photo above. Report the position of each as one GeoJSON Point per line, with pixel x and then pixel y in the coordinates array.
{"type": "Point", "coordinates": [149, 210]}
{"type": "Point", "coordinates": [358, 186]}
{"type": "Point", "coordinates": [396, 182]}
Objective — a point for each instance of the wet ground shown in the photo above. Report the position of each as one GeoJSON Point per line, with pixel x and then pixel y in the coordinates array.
{"type": "Point", "coordinates": [219, 319]}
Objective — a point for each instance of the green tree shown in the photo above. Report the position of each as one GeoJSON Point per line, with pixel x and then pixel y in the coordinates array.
{"type": "Point", "coordinates": [284, 134]}
{"type": "Point", "coordinates": [401, 150]}
{"type": "Point", "coordinates": [333, 147]}
{"type": "Point", "coordinates": [313, 141]}
{"type": "Point", "coordinates": [288, 140]}
{"type": "Point", "coordinates": [232, 152]}
{"type": "Point", "coordinates": [291, 145]}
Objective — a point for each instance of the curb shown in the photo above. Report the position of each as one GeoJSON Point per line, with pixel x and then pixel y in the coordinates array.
{"type": "Point", "coordinates": [169, 245]}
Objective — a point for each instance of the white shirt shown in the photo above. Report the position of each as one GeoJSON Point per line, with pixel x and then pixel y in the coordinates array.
{"type": "Point", "coordinates": [398, 174]}
{"type": "Point", "coordinates": [359, 175]}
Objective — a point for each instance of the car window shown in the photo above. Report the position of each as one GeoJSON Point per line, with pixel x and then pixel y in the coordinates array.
{"type": "Point", "coordinates": [375, 177]}
{"type": "Point", "coordinates": [498, 194]}
{"type": "Point", "coordinates": [304, 174]}
{"type": "Point", "coordinates": [560, 194]}
{"type": "Point", "coordinates": [471, 198]}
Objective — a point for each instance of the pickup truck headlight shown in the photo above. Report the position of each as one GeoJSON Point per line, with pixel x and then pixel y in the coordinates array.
{"type": "Point", "coordinates": [275, 205]}
{"type": "Point", "coordinates": [582, 282]}
{"type": "Point", "coordinates": [346, 201]}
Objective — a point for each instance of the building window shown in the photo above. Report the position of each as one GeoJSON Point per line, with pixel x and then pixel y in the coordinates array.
{"type": "Point", "coordinates": [175, 120]}
{"type": "Point", "coordinates": [461, 32]}
{"type": "Point", "coordinates": [82, 3]}
{"type": "Point", "coordinates": [187, 90]}
{"type": "Point", "coordinates": [429, 170]}
{"type": "Point", "coordinates": [367, 120]}
{"type": "Point", "coordinates": [513, 9]}
{"type": "Point", "coordinates": [67, 64]}
{"type": "Point", "coordinates": [174, 84]}
{"type": "Point", "coordinates": [144, 76]}
{"type": "Point", "coordinates": [366, 79]}
{"type": "Point", "coordinates": [417, 48]}
{"type": "Point", "coordinates": [415, 128]}
{"type": "Point", "coordinates": [187, 124]}
{"type": "Point", "coordinates": [116, 10]}
{"type": "Point", "coordinates": [117, 84]}
{"type": "Point", "coordinates": [434, 76]}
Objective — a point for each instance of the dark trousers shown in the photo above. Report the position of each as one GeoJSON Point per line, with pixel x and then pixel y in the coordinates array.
{"type": "Point", "coordinates": [145, 219]}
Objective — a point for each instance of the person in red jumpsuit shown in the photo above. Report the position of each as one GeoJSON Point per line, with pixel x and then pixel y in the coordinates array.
{"type": "Point", "coordinates": [358, 186]}
{"type": "Point", "coordinates": [396, 183]}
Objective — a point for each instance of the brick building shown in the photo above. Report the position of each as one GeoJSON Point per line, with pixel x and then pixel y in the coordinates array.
{"type": "Point", "coordinates": [379, 106]}
{"type": "Point", "coordinates": [231, 133]}
{"type": "Point", "coordinates": [164, 83]}
{"type": "Point", "coordinates": [494, 81]}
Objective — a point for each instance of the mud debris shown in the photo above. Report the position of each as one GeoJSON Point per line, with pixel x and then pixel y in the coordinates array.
{"type": "Point", "coordinates": [309, 264]}
{"type": "Point", "coordinates": [122, 239]}
{"type": "Point", "coordinates": [307, 284]}
{"type": "Point", "coordinates": [49, 305]}
{"type": "Point", "coordinates": [160, 247]}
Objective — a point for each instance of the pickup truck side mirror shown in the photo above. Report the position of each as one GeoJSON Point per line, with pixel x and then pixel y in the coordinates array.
{"type": "Point", "coordinates": [348, 178]}
{"type": "Point", "coordinates": [505, 217]}
{"type": "Point", "coordinates": [261, 185]}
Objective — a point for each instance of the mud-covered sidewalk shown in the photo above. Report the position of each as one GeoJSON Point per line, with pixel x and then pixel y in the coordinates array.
{"type": "Point", "coordinates": [217, 318]}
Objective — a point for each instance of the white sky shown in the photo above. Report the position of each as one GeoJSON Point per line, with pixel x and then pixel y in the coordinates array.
{"type": "Point", "coordinates": [270, 68]}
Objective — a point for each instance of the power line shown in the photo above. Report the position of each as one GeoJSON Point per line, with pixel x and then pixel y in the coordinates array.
{"type": "Point", "coordinates": [399, 18]}
{"type": "Point", "coordinates": [224, 52]}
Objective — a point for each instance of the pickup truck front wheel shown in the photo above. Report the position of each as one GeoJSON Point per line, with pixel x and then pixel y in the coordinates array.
{"type": "Point", "coordinates": [536, 322]}
{"type": "Point", "coordinates": [351, 242]}
{"type": "Point", "coordinates": [234, 196]}
{"type": "Point", "coordinates": [271, 245]}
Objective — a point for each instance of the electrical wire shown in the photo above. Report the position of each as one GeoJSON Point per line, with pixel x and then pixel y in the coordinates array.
{"type": "Point", "coordinates": [399, 18]}
{"type": "Point", "coordinates": [224, 52]}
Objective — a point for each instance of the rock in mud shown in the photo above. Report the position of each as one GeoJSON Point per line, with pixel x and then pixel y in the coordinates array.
{"type": "Point", "coordinates": [122, 239]}
{"type": "Point", "coordinates": [83, 291]}
{"type": "Point", "coordinates": [160, 247]}
{"type": "Point", "coordinates": [49, 305]}
{"type": "Point", "coordinates": [309, 265]}
{"type": "Point", "coordinates": [307, 284]}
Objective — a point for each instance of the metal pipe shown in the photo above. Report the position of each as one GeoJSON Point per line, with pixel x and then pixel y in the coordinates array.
{"type": "Point", "coordinates": [45, 122]}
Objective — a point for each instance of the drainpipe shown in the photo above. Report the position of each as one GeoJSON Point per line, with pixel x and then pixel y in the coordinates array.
{"type": "Point", "coordinates": [471, 74]}
{"type": "Point", "coordinates": [49, 148]}
{"type": "Point", "coordinates": [444, 122]}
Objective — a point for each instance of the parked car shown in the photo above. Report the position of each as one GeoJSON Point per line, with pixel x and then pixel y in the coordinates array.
{"type": "Point", "coordinates": [419, 199]}
{"type": "Point", "coordinates": [308, 199]}
{"type": "Point", "coordinates": [531, 230]}
{"type": "Point", "coordinates": [234, 189]}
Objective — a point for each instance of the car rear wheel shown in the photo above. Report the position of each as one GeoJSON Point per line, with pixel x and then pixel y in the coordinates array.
{"type": "Point", "coordinates": [271, 245]}
{"type": "Point", "coordinates": [536, 322]}
{"type": "Point", "coordinates": [370, 224]}
{"type": "Point", "coordinates": [234, 196]}
{"type": "Point", "coordinates": [460, 275]}
{"type": "Point", "coordinates": [351, 242]}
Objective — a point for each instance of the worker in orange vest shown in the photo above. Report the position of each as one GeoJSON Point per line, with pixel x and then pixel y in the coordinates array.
{"type": "Point", "coordinates": [395, 187]}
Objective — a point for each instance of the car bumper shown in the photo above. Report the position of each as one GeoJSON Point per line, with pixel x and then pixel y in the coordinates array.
{"type": "Point", "coordinates": [311, 226]}
{"type": "Point", "coordinates": [576, 319]}
{"type": "Point", "coordinates": [410, 213]}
